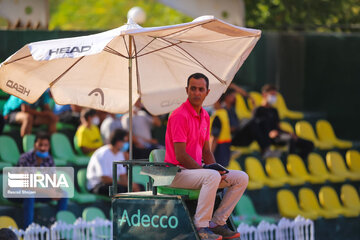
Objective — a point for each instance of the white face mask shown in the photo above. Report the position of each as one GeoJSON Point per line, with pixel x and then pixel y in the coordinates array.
{"type": "Point", "coordinates": [271, 99]}
{"type": "Point", "coordinates": [95, 121]}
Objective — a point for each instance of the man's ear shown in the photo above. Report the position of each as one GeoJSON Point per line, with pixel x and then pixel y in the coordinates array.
{"type": "Point", "coordinates": [186, 89]}
{"type": "Point", "coordinates": [207, 92]}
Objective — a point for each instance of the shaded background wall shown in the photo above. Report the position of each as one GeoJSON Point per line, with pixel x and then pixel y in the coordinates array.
{"type": "Point", "coordinates": [315, 72]}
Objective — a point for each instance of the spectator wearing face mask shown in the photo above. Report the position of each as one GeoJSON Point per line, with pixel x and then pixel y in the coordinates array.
{"type": "Point", "coordinates": [267, 118]}
{"type": "Point", "coordinates": [99, 170]}
{"type": "Point", "coordinates": [38, 157]}
{"type": "Point", "coordinates": [88, 133]}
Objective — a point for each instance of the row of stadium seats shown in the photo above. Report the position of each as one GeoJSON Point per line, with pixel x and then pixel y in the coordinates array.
{"type": "Point", "coordinates": [61, 150]}
{"type": "Point", "coordinates": [243, 109]}
{"type": "Point", "coordinates": [324, 138]}
{"type": "Point", "coordinates": [88, 214]}
{"type": "Point", "coordinates": [329, 207]}
{"type": "Point", "coordinates": [317, 172]}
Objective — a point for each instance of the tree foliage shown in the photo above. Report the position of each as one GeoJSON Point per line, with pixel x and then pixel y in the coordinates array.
{"type": "Point", "coordinates": [319, 15]}
{"type": "Point", "coordinates": [107, 14]}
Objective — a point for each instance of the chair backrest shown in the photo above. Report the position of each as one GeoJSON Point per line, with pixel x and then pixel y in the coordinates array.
{"type": "Point", "coordinates": [304, 130]}
{"type": "Point", "coordinates": [90, 213]}
{"type": "Point", "coordinates": [353, 160]}
{"type": "Point", "coordinates": [335, 162]}
{"type": "Point", "coordinates": [6, 222]}
{"type": "Point", "coordinates": [274, 168]}
{"type": "Point", "coordinates": [287, 202]}
{"type": "Point", "coordinates": [234, 165]}
{"type": "Point", "coordinates": [240, 107]}
{"type": "Point", "coordinates": [349, 196]}
{"type": "Point", "coordinates": [254, 169]}
{"type": "Point", "coordinates": [77, 147]}
{"type": "Point", "coordinates": [257, 99]}
{"type": "Point", "coordinates": [295, 166]}
{"type": "Point", "coordinates": [308, 200]}
{"type": "Point", "coordinates": [28, 142]}
{"type": "Point", "coordinates": [325, 131]}
{"type": "Point", "coordinates": [65, 216]}
{"type": "Point", "coordinates": [285, 126]}
{"type": "Point", "coordinates": [9, 151]}
{"type": "Point", "coordinates": [81, 179]}
{"type": "Point", "coordinates": [61, 147]}
{"type": "Point", "coordinates": [139, 178]}
{"type": "Point", "coordinates": [316, 165]}
{"type": "Point", "coordinates": [280, 105]}
{"type": "Point", "coordinates": [328, 198]}
{"type": "Point", "coordinates": [157, 155]}
{"type": "Point", "coordinates": [245, 207]}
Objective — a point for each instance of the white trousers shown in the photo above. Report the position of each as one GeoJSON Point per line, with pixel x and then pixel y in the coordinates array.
{"type": "Point", "coordinates": [208, 181]}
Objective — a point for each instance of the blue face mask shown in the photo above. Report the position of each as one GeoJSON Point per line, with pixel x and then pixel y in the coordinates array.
{"type": "Point", "coordinates": [42, 154]}
{"type": "Point", "coordinates": [125, 147]}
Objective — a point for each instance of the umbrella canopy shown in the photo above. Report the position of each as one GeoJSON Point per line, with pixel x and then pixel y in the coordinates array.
{"type": "Point", "coordinates": [94, 71]}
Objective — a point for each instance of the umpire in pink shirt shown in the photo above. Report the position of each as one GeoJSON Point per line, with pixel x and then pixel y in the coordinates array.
{"type": "Point", "coordinates": [187, 145]}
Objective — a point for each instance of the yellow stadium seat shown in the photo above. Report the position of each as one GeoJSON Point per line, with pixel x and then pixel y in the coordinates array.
{"type": "Point", "coordinates": [317, 168]}
{"type": "Point", "coordinates": [296, 167]}
{"type": "Point", "coordinates": [6, 222]}
{"type": "Point", "coordinates": [353, 161]}
{"type": "Point", "coordinates": [308, 202]}
{"type": "Point", "coordinates": [329, 201]}
{"type": "Point", "coordinates": [350, 197]}
{"type": "Point", "coordinates": [240, 107]}
{"type": "Point", "coordinates": [234, 165]}
{"type": "Point", "coordinates": [284, 112]}
{"type": "Point", "coordinates": [276, 170]}
{"type": "Point", "coordinates": [256, 173]}
{"type": "Point", "coordinates": [285, 126]}
{"type": "Point", "coordinates": [326, 133]}
{"type": "Point", "coordinates": [336, 164]}
{"type": "Point", "coordinates": [253, 147]}
{"type": "Point", "coordinates": [257, 99]}
{"type": "Point", "coordinates": [289, 208]}
{"type": "Point", "coordinates": [304, 130]}
{"type": "Point", "coordinates": [252, 185]}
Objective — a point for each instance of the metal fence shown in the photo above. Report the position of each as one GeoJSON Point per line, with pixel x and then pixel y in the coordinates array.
{"type": "Point", "coordinates": [298, 229]}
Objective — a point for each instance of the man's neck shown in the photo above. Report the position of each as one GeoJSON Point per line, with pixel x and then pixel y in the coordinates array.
{"type": "Point", "coordinates": [113, 149]}
{"type": "Point", "coordinates": [197, 109]}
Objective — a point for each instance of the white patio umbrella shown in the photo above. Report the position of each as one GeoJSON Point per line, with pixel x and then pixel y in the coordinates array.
{"type": "Point", "coordinates": [97, 71]}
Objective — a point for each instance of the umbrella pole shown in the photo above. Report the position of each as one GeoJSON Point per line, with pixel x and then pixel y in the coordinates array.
{"type": "Point", "coordinates": [130, 117]}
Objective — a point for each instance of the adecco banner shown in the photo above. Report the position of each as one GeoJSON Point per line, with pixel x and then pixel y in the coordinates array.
{"type": "Point", "coordinates": [151, 218]}
{"type": "Point", "coordinates": [38, 182]}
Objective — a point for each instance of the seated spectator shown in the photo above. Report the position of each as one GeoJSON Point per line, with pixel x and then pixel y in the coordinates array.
{"type": "Point", "coordinates": [20, 112]}
{"type": "Point", "coordinates": [220, 138]}
{"type": "Point", "coordinates": [110, 123]}
{"type": "Point", "coordinates": [143, 122]}
{"type": "Point", "coordinates": [7, 234]}
{"type": "Point", "coordinates": [38, 157]}
{"type": "Point", "coordinates": [243, 131]}
{"type": "Point", "coordinates": [88, 134]}
{"type": "Point", "coordinates": [267, 118]}
{"type": "Point", "coordinates": [68, 113]}
{"type": "Point", "coordinates": [99, 171]}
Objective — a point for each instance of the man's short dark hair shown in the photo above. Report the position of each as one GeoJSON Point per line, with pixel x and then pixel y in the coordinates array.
{"type": "Point", "coordinates": [268, 88]}
{"type": "Point", "coordinates": [87, 112]}
{"type": "Point", "coordinates": [228, 92]}
{"type": "Point", "coordinates": [42, 135]}
{"type": "Point", "coordinates": [198, 76]}
{"type": "Point", "coordinates": [8, 234]}
{"type": "Point", "coordinates": [117, 135]}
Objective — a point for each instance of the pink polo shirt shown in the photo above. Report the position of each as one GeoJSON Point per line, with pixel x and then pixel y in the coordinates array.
{"type": "Point", "coordinates": [185, 125]}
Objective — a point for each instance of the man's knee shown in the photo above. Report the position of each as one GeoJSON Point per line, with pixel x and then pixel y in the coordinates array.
{"type": "Point", "coordinates": [241, 177]}
{"type": "Point", "coordinates": [212, 176]}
